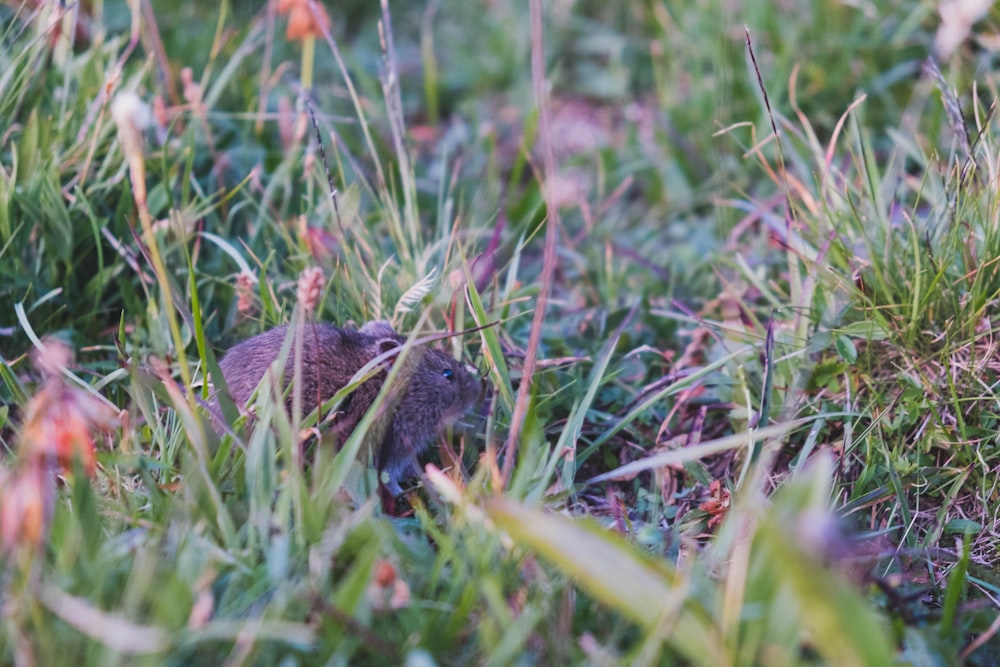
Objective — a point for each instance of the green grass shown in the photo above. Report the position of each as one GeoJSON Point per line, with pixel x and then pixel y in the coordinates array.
{"type": "Point", "coordinates": [762, 425]}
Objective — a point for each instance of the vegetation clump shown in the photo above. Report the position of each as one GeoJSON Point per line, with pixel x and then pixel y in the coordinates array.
{"type": "Point", "coordinates": [730, 275]}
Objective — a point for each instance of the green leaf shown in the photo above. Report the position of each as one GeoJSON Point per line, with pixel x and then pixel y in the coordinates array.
{"type": "Point", "coordinates": [846, 349]}
{"type": "Point", "coordinates": [28, 149]}
{"type": "Point", "coordinates": [837, 620]}
{"type": "Point", "coordinates": [953, 593]}
{"type": "Point", "coordinates": [963, 527]}
{"type": "Point", "coordinates": [615, 572]}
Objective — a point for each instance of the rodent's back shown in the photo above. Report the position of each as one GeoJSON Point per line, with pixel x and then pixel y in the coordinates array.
{"type": "Point", "coordinates": [330, 358]}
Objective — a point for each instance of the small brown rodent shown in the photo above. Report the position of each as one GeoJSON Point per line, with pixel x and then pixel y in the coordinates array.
{"type": "Point", "coordinates": [434, 390]}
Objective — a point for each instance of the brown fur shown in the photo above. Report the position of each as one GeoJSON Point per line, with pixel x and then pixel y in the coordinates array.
{"type": "Point", "coordinates": [431, 391]}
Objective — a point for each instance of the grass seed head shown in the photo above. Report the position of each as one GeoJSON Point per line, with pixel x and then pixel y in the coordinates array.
{"type": "Point", "coordinates": [310, 288]}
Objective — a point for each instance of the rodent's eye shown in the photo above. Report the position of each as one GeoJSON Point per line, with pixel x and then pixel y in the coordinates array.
{"type": "Point", "coordinates": [448, 374]}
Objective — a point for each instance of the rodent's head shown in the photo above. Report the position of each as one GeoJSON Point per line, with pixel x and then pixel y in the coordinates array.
{"type": "Point", "coordinates": [431, 391]}
{"type": "Point", "coordinates": [446, 388]}
{"type": "Point", "coordinates": [438, 389]}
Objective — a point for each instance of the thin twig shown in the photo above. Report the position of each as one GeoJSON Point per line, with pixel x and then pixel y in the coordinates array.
{"type": "Point", "coordinates": [981, 639]}
{"type": "Point", "coordinates": [777, 137]}
{"type": "Point", "coordinates": [373, 641]}
{"type": "Point", "coordinates": [551, 231]}
{"type": "Point", "coordinates": [322, 155]}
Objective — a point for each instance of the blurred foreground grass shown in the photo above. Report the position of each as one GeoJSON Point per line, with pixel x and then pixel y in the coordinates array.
{"type": "Point", "coordinates": [762, 428]}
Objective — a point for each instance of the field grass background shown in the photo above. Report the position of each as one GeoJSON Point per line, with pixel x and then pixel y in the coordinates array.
{"type": "Point", "coordinates": [761, 429]}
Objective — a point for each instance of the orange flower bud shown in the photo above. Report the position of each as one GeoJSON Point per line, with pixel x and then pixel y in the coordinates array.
{"type": "Point", "coordinates": [387, 590]}
{"type": "Point", "coordinates": [385, 574]}
{"type": "Point", "coordinates": [25, 507]}
{"type": "Point", "coordinates": [59, 419]}
{"type": "Point", "coordinates": [305, 18]}
{"type": "Point", "coordinates": [58, 423]}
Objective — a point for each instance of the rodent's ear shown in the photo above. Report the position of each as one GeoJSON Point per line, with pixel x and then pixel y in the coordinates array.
{"type": "Point", "coordinates": [378, 329]}
{"type": "Point", "coordinates": [387, 345]}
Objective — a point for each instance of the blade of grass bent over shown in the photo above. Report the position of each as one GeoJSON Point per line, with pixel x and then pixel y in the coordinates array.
{"type": "Point", "coordinates": [615, 573]}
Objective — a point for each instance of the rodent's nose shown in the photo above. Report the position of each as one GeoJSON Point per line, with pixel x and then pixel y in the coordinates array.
{"type": "Point", "coordinates": [483, 384]}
